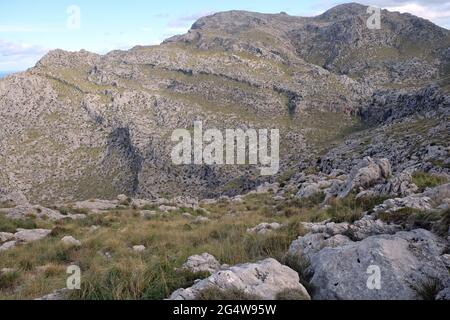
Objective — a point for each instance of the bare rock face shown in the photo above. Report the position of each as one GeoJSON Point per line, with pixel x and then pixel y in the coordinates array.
{"type": "Point", "coordinates": [202, 263]}
{"type": "Point", "coordinates": [6, 236]}
{"type": "Point", "coordinates": [365, 175]}
{"type": "Point", "coordinates": [414, 202]}
{"type": "Point", "coordinates": [264, 279]}
{"type": "Point", "coordinates": [13, 199]}
{"type": "Point", "coordinates": [308, 246]}
{"type": "Point", "coordinates": [22, 212]}
{"type": "Point", "coordinates": [31, 235]}
{"type": "Point", "coordinates": [8, 245]}
{"type": "Point", "coordinates": [405, 260]}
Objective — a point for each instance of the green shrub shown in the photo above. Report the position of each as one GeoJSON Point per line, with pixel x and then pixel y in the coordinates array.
{"type": "Point", "coordinates": [428, 289]}
{"type": "Point", "coordinates": [9, 279]}
{"type": "Point", "coordinates": [425, 180]}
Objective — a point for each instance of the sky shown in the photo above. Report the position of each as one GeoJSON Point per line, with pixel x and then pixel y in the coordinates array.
{"type": "Point", "coordinates": [29, 29]}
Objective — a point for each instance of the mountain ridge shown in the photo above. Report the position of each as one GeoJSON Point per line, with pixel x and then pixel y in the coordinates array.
{"type": "Point", "coordinates": [105, 120]}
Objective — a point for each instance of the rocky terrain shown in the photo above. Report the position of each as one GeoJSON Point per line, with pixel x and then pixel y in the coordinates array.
{"type": "Point", "coordinates": [364, 179]}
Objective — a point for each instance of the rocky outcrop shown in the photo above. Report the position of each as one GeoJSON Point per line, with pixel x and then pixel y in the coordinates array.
{"type": "Point", "coordinates": [264, 279]}
{"type": "Point", "coordinates": [405, 261]}
{"type": "Point", "coordinates": [11, 240]}
{"type": "Point", "coordinates": [368, 172]}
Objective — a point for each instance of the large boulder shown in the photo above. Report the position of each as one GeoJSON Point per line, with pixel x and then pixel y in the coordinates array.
{"type": "Point", "coordinates": [365, 175]}
{"type": "Point", "coordinates": [6, 236]}
{"type": "Point", "coordinates": [13, 199]}
{"type": "Point", "coordinates": [23, 212]}
{"type": "Point", "coordinates": [25, 235]}
{"type": "Point", "coordinates": [306, 247]}
{"type": "Point", "coordinates": [405, 261]}
{"type": "Point", "coordinates": [264, 279]}
{"type": "Point", "coordinates": [421, 203]}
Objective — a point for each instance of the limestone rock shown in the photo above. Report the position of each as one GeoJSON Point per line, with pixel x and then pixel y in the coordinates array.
{"type": "Point", "coordinates": [404, 259]}
{"type": "Point", "coordinates": [25, 235]}
{"type": "Point", "coordinates": [264, 228]}
{"type": "Point", "coordinates": [139, 248]}
{"type": "Point", "coordinates": [264, 279]}
{"type": "Point", "coordinates": [368, 172]}
{"type": "Point", "coordinates": [6, 236]}
{"type": "Point", "coordinates": [71, 241]}
{"type": "Point", "coordinates": [202, 263]}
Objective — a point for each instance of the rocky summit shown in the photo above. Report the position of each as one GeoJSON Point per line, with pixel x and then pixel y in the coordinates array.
{"type": "Point", "coordinates": [363, 185]}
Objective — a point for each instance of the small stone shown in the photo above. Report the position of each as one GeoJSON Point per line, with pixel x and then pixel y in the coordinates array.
{"type": "Point", "coordinates": [139, 248]}
{"type": "Point", "coordinates": [71, 241]}
{"type": "Point", "coordinates": [8, 245]}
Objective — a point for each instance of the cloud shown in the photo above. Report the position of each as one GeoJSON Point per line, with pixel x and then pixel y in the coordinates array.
{"type": "Point", "coordinates": [423, 11]}
{"type": "Point", "coordinates": [19, 56]}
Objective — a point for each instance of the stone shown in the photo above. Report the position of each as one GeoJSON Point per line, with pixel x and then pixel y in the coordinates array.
{"type": "Point", "coordinates": [404, 259]}
{"type": "Point", "coordinates": [23, 212]}
{"type": "Point", "coordinates": [71, 241]}
{"type": "Point", "coordinates": [6, 236]}
{"type": "Point", "coordinates": [421, 203]}
{"type": "Point", "coordinates": [264, 279]}
{"type": "Point", "coordinates": [368, 172]}
{"type": "Point", "coordinates": [139, 248]}
{"type": "Point", "coordinates": [166, 209]}
{"type": "Point", "coordinates": [96, 205]}
{"type": "Point", "coordinates": [370, 226]}
{"type": "Point", "coordinates": [148, 214]}
{"type": "Point", "coordinates": [13, 199]}
{"type": "Point", "coordinates": [202, 263]}
{"type": "Point", "coordinates": [8, 245]}
{"type": "Point", "coordinates": [123, 199]}
{"type": "Point", "coordinates": [25, 235]}
{"type": "Point", "coordinates": [200, 220]}
{"type": "Point", "coordinates": [264, 228]}
{"type": "Point", "coordinates": [57, 295]}
{"type": "Point", "coordinates": [307, 247]}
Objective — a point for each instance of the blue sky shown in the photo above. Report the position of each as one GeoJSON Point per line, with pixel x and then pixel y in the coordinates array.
{"type": "Point", "coordinates": [28, 29]}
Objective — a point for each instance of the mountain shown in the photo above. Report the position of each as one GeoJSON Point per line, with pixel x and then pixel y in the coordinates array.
{"type": "Point", "coordinates": [80, 125]}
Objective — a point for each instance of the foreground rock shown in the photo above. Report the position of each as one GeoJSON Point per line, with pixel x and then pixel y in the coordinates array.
{"type": "Point", "coordinates": [406, 260]}
{"type": "Point", "coordinates": [264, 279]}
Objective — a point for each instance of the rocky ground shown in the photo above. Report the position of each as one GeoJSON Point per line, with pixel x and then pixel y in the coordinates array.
{"type": "Point", "coordinates": [261, 245]}
{"type": "Point", "coordinates": [364, 183]}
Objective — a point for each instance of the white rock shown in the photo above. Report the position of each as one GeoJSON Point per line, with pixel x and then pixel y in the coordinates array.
{"type": "Point", "coordinates": [8, 245]}
{"type": "Point", "coordinates": [264, 228]}
{"type": "Point", "coordinates": [264, 279]}
{"type": "Point", "coordinates": [25, 235]}
{"type": "Point", "coordinates": [6, 236]}
{"type": "Point", "coordinates": [403, 259]}
{"type": "Point", "coordinates": [201, 263]}
{"type": "Point", "coordinates": [139, 248]}
{"type": "Point", "coordinates": [165, 208]}
{"type": "Point", "coordinates": [200, 220]}
{"type": "Point", "coordinates": [71, 241]}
